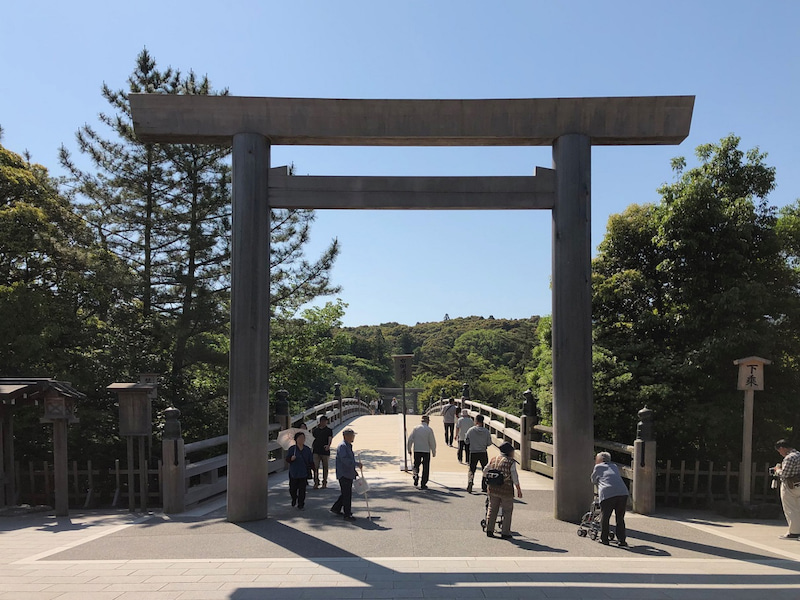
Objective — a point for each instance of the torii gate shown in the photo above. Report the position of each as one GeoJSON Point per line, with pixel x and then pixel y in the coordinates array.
{"type": "Point", "coordinates": [570, 125]}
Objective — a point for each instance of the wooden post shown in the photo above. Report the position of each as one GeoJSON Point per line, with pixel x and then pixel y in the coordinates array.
{"type": "Point", "coordinates": [524, 443]}
{"type": "Point", "coordinates": [143, 487]}
{"type": "Point", "coordinates": [60, 467]}
{"type": "Point", "coordinates": [9, 463]}
{"type": "Point", "coordinates": [644, 477]}
{"type": "Point", "coordinates": [131, 477]}
{"type": "Point", "coordinates": [248, 395]}
{"type": "Point", "coordinates": [750, 379]}
{"type": "Point", "coordinates": [747, 448]}
{"type": "Point", "coordinates": [174, 464]}
{"type": "Point", "coordinates": [573, 421]}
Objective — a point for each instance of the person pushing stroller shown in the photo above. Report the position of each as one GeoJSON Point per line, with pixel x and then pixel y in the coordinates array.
{"type": "Point", "coordinates": [501, 494]}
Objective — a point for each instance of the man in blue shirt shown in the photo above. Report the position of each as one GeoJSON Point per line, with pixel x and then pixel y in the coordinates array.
{"type": "Point", "coordinates": [346, 465]}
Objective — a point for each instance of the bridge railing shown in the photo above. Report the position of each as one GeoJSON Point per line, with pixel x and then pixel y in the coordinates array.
{"type": "Point", "coordinates": [187, 483]}
{"type": "Point", "coordinates": [537, 455]}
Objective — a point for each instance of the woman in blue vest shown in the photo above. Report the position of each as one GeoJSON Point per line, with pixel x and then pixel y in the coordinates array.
{"type": "Point", "coordinates": [300, 462]}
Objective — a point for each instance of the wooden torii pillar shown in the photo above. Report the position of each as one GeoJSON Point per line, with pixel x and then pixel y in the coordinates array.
{"type": "Point", "coordinates": [570, 125]}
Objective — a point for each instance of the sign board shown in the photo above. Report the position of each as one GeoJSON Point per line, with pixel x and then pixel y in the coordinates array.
{"type": "Point", "coordinates": [402, 367]}
{"type": "Point", "coordinates": [751, 373]}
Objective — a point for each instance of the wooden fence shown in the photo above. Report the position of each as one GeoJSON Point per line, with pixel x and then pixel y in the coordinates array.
{"type": "Point", "coordinates": [703, 483]}
{"type": "Point", "coordinates": [35, 484]}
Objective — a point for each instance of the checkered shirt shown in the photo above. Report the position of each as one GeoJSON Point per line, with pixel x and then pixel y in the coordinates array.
{"type": "Point", "coordinates": [790, 467]}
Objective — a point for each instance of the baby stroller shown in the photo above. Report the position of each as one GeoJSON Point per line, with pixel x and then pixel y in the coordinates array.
{"type": "Point", "coordinates": [499, 522]}
{"type": "Point", "coordinates": [591, 522]}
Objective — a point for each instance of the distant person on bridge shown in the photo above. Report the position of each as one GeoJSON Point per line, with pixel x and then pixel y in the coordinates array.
{"type": "Point", "coordinates": [503, 494]}
{"type": "Point", "coordinates": [613, 495]}
{"type": "Point", "coordinates": [449, 412]}
{"type": "Point", "coordinates": [346, 465]}
{"type": "Point", "coordinates": [423, 442]}
{"type": "Point", "coordinates": [462, 427]}
{"type": "Point", "coordinates": [479, 439]}
{"type": "Point", "coordinates": [321, 446]}
{"type": "Point", "coordinates": [394, 406]}
{"type": "Point", "coordinates": [788, 470]}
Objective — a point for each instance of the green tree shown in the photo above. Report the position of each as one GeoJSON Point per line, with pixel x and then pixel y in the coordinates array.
{"type": "Point", "coordinates": [684, 287]}
{"type": "Point", "coordinates": [165, 210]}
{"type": "Point", "coordinates": [59, 296]}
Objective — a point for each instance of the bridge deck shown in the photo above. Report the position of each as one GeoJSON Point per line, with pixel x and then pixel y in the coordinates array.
{"type": "Point", "coordinates": [418, 544]}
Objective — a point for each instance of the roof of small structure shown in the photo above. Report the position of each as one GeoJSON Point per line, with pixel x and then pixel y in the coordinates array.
{"type": "Point", "coordinates": [14, 390]}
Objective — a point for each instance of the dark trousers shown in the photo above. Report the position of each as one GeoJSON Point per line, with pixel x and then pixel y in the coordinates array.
{"type": "Point", "coordinates": [424, 459]}
{"type": "Point", "coordinates": [463, 450]}
{"type": "Point", "coordinates": [449, 431]}
{"type": "Point", "coordinates": [617, 505]}
{"type": "Point", "coordinates": [297, 490]}
{"type": "Point", "coordinates": [344, 503]}
{"type": "Point", "coordinates": [474, 459]}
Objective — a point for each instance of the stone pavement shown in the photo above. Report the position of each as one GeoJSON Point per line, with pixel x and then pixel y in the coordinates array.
{"type": "Point", "coordinates": [419, 544]}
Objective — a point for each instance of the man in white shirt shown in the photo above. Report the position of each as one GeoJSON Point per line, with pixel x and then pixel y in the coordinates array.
{"type": "Point", "coordinates": [449, 412]}
{"type": "Point", "coordinates": [479, 439]}
{"type": "Point", "coordinates": [423, 443]}
{"type": "Point", "coordinates": [462, 427]}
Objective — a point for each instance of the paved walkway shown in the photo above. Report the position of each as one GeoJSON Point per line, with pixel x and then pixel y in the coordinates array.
{"type": "Point", "coordinates": [418, 544]}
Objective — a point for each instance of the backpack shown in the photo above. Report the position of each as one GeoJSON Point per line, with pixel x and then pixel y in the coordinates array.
{"type": "Point", "coordinates": [494, 477]}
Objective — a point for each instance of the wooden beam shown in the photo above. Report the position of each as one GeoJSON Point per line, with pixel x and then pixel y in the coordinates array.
{"type": "Point", "coordinates": [401, 193]}
{"type": "Point", "coordinates": [497, 122]}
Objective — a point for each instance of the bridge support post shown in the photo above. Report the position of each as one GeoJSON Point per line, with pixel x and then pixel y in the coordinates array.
{"type": "Point", "coordinates": [524, 444]}
{"type": "Point", "coordinates": [173, 459]}
{"type": "Point", "coordinates": [573, 427]}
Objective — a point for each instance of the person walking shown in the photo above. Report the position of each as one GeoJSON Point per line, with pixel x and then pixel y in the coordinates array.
{"type": "Point", "coordinates": [449, 412]}
{"type": "Point", "coordinates": [321, 447]}
{"type": "Point", "coordinates": [479, 439]}
{"type": "Point", "coordinates": [300, 461]}
{"type": "Point", "coordinates": [394, 406]}
{"type": "Point", "coordinates": [423, 442]}
{"type": "Point", "coordinates": [613, 495]}
{"type": "Point", "coordinates": [788, 470]}
{"type": "Point", "coordinates": [462, 426]}
{"type": "Point", "coordinates": [346, 465]}
{"type": "Point", "coordinates": [503, 494]}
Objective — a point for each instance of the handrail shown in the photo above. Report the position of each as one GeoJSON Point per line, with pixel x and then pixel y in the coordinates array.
{"type": "Point", "coordinates": [203, 444]}
{"type": "Point", "coordinates": [208, 477]}
{"type": "Point", "coordinates": [499, 423]}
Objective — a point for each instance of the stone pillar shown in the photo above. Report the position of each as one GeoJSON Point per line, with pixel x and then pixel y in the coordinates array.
{"type": "Point", "coordinates": [174, 463]}
{"type": "Point", "coordinates": [248, 391]}
{"type": "Point", "coordinates": [573, 427]}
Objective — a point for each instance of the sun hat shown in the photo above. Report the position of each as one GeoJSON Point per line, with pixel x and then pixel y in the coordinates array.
{"type": "Point", "coordinates": [506, 448]}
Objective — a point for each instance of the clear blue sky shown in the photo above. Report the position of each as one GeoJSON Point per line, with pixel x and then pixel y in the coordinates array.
{"type": "Point", "coordinates": [741, 60]}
